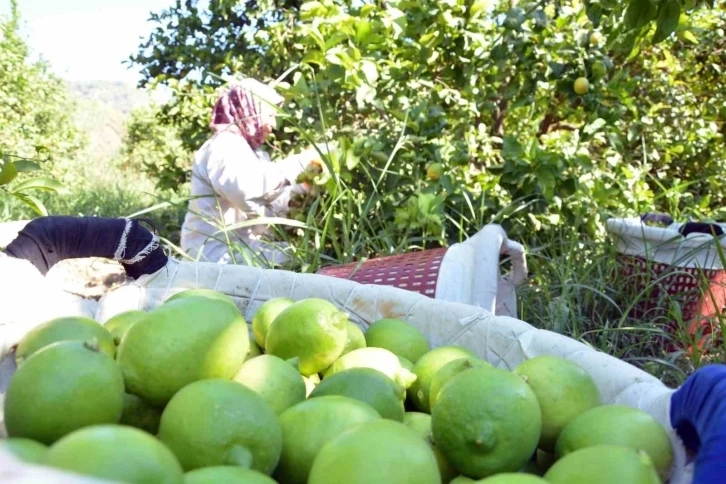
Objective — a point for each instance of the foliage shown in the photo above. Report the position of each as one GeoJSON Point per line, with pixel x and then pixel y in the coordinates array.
{"type": "Point", "coordinates": [155, 149]}
{"type": "Point", "coordinates": [35, 115]}
{"type": "Point", "coordinates": [486, 90]}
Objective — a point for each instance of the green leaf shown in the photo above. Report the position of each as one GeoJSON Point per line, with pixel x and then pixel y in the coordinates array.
{"type": "Point", "coordinates": [594, 127]}
{"type": "Point", "coordinates": [33, 203]}
{"type": "Point", "coordinates": [511, 148]}
{"type": "Point", "coordinates": [639, 13]}
{"type": "Point", "coordinates": [38, 184]}
{"type": "Point", "coordinates": [370, 71]}
{"type": "Point", "coordinates": [668, 17]}
{"type": "Point", "coordinates": [24, 166]}
{"type": "Point", "coordinates": [594, 13]}
{"type": "Point", "coordinates": [688, 35]}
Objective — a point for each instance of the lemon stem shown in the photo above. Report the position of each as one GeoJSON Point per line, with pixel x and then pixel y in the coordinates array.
{"type": "Point", "coordinates": [92, 344]}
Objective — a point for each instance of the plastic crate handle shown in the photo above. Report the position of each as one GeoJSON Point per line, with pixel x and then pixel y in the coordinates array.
{"type": "Point", "coordinates": [492, 241]}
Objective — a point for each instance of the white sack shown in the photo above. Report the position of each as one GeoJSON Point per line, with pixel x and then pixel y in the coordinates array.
{"type": "Point", "coordinates": [503, 341]}
{"type": "Point", "coordinates": [28, 299]}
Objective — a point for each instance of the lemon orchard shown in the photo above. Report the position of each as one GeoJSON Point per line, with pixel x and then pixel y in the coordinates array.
{"type": "Point", "coordinates": [183, 394]}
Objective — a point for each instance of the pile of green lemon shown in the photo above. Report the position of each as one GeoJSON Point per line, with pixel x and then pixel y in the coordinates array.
{"type": "Point", "coordinates": [190, 393]}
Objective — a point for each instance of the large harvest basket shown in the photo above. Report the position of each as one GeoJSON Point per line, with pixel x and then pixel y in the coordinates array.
{"type": "Point", "coordinates": [503, 341]}
{"type": "Point", "coordinates": [681, 263]}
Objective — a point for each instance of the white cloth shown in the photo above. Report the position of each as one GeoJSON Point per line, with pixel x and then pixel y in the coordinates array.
{"type": "Point", "coordinates": [236, 184]}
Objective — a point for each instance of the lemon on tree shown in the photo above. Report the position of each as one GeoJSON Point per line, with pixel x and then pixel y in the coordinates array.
{"type": "Point", "coordinates": [221, 422]}
{"type": "Point", "coordinates": [435, 171]}
{"type": "Point", "coordinates": [274, 379]}
{"type": "Point", "coordinates": [420, 423]}
{"type": "Point", "coordinates": [309, 426]}
{"type": "Point", "coordinates": [226, 474]}
{"type": "Point", "coordinates": [376, 358]}
{"type": "Point", "coordinates": [369, 386]}
{"type": "Point", "coordinates": [486, 421]}
{"type": "Point", "coordinates": [425, 369]}
{"type": "Point", "coordinates": [118, 453]}
{"type": "Point", "coordinates": [265, 315]}
{"type": "Point", "coordinates": [582, 85]}
{"type": "Point", "coordinates": [27, 450]}
{"type": "Point", "coordinates": [313, 329]}
{"type": "Point", "coordinates": [182, 341]}
{"type": "Point", "coordinates": [378, 451]}
{"type": "Point", "coordinates": [564, 390]}
{"type": "Point", "coordinates": [603, 464]}
{"type": "Point", "coordinates": [398, 337]}
{"type": "Point", "coordinates": [77, 328]}
{"type": "Point", "coordinates": [618, 425]}
{"type": "Point", "coordinates": [61, 388]}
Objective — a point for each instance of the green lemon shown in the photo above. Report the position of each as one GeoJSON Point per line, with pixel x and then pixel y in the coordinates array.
{"type": "Point", "coordinates": [226, 474]}
{"type": "Point", "coordinates": [564, 390]}
{"type": "Point", "coordinates": [265, 315]}
{"type": "Point", "coordinates": [618, 425]}
{"type": "Point", "coordinates": [582, 85]}
{"type": "Point", "coordinates": [356, 338]}
{"type": "Point", "coordinates": [63, 387]}
{"type": "Point", "coordinates": [117, 453]}
{"type": "Point", "coordinates": [603, 464]}
{"type": "Point", "coordinates": [309, 425]}
{"type": "Point", "coordinates": [377, 451]}
{"type": "Point", "coordinates": [137, 413]}
{"type": "Point", "coordinates": [274, 379]}
{"type": "Point", "coordinates": [202, 292]}
{"type": "Point", "coordinates": [217, 422]}
{"type": "Point", "coordinates": [448, 371]}
{"type": "Point", "coordinates": [369, 386]}
{"type": "Point", "coordinates": [314, 330]}
{"type": "Point", "coordinates": [486, 421]}
{"type": "Point", "coordinates": [425, 369]}
{"type": "Point", "coordinates": [400, 338]}
{"type": "Point", "coordinates": [75, 328]}
{"type": "Point", "coordinates": [376, 358]}
{"type": "Point", "coordinates": [179, 342]}
{"type": "Point", "coordinates": [27, 450]}
{"type": "Point", "coordinates": [420, 423]}
{"type": "Point", "coordinates": [119, 324]}
{"type": "Point", "coordinates": [512, 478]}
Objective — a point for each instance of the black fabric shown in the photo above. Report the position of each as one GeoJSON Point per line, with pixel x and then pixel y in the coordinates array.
{"type": "Point", "coordinates": [45, 241]}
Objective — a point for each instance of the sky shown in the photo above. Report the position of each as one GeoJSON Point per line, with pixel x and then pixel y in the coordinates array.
{"type": "Point", "coordinates": [87, 40]}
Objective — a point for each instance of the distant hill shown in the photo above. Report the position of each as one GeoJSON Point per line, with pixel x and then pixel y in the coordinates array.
{"type": "Point", "coordinates": [122, 97]}
{"type": "Point", "coordinates": [102, 110]}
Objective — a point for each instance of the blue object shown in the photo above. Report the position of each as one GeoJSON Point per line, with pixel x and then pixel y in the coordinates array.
{"type": "Point", "coordinates": [698, 414]}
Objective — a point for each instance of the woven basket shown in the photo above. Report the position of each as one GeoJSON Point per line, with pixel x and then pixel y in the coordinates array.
{"type": "Point", "coordinates": [659, 265]}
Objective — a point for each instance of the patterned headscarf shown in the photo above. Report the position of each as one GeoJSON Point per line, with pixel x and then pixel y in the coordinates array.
{"type": "Point", "coordinates": [247, 109]}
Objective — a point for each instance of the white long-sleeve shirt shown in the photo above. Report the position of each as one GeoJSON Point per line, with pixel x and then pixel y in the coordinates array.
{"type": "Point", "coordinates": [236, 184]}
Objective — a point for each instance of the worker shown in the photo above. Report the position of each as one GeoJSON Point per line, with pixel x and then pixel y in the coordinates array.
{"type": "Point", "coordinates": [235, 182]}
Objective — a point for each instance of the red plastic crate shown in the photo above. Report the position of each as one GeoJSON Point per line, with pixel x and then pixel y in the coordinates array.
{"type": "Point", "coordinates": [413, 271]}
